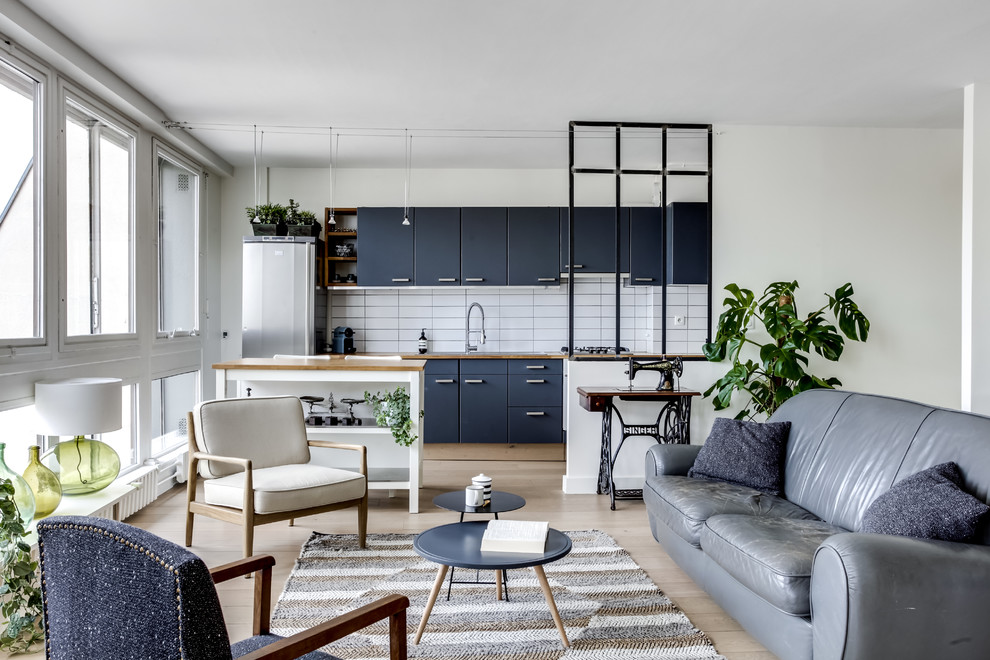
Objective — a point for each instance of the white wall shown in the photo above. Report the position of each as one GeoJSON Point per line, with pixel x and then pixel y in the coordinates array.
{"type": "Point", "coordinates": [876, 207]}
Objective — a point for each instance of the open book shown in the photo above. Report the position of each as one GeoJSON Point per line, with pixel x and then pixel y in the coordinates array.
{"type": "Point", "coordinates": [515, 536]}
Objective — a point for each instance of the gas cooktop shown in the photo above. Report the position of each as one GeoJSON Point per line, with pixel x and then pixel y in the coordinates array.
{"type": "Point", "coordinates": [595, 350]}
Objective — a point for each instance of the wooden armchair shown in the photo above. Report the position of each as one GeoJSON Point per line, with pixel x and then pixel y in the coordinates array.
{"type": "Point", "coordinates": [253, 455]}
{"type": "Point", "coordinates": [111, 590]}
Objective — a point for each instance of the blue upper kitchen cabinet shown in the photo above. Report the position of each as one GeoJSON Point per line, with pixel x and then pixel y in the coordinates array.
{"type": "Point", "coordinates": [645, 245]}
{"type": "Point", "coordinates": [687, 243]}
{"type": "Point", "coordinates": [534, 246]}
{"type": "Point", "coordinates": [386, 257]}
{"type": "Point", "coordinates": [483, 246]}
{"type": "Point", "coordinates": [438, 246]}
{"type": "Point", "coordinates": [594, 239]}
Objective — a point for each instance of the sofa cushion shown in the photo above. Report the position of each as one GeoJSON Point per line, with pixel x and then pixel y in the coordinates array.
{"type": "Point", "coordinates": [685, 503]}
{"type": "Point", "coordinates": [929, 504]}
{"type": "Point", "coordinates": [744, 453]}
{"type": "Point", "coordinates": [287, 488]}
{"type": "Point", "coordinates": [770, 556]}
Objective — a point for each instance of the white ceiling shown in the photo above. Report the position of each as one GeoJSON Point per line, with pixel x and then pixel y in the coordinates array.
{"type": "Point", "coordinates": [511, 74]}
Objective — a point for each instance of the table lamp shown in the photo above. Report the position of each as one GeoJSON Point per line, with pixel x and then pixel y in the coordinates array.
{"type": "Point", "coordinates": [77, 407]}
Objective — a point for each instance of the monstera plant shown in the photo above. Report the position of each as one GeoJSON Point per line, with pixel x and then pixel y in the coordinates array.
{"type": "Point", "coordinates": [780, 368]}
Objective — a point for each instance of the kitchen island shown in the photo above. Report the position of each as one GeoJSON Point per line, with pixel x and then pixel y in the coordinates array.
{"type": "Point", "coordinates": [390, 466]}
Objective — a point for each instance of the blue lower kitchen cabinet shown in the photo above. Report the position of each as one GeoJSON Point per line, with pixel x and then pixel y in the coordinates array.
{"type": "Point", "coordinates": [441, 402]}
{"type": "Point", "coordinates": [484, 400]}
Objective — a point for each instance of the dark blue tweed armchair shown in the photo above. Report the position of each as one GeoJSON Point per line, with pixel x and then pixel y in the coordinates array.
{"type": "Point", "coordinates": [115, 591]}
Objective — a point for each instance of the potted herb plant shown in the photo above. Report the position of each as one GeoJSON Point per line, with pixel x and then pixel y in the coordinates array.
{"type": "Point", "coordinates": [780, 371]}
{"type": "Point", "coordinates": [268, 219]}
{"type": "Point", "coordinates": [20, 594]}
{"type": "Point", "coordinates": [391, 409]}
{"type": "Point", "coordinates": [301, 223]}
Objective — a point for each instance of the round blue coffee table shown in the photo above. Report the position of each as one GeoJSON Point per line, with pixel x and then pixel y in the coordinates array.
{"type": "Point", "coordinates": [459, 544]}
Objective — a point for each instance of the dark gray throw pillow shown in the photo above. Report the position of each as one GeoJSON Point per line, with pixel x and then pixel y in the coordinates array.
{"type": "Point", "coordinates": [744, 453]}
{"type": "Point", "coordinates": [928, 505]}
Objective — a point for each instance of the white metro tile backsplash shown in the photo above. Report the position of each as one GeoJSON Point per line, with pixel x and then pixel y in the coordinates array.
{"type": "Point", "coordinates": [522, 320]}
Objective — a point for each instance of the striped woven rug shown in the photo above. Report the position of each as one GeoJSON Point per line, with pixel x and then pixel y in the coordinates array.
{"type": "Point", "coordinates": [610, 607]}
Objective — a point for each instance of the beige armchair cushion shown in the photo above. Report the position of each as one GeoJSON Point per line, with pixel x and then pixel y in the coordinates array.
{"type": "Point", "coordinates": [268, 430]}
{"type": "Point", "coordinates": [287, 488]}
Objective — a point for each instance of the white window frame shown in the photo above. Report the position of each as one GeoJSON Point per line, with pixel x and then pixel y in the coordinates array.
{"type": "Point", "coordinates": [187, 335]}
{"type": "Point", "coordinates": [39, 344]}
{"type": "Point", "coordinates": [107, 114]}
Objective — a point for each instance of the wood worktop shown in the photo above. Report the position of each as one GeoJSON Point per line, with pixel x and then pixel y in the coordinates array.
{"type": "Point", "coordinates": [323, 363]}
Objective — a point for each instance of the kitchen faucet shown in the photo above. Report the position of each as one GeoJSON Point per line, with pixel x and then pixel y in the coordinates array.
{"type": "Point", "coordinates": [468, 347]}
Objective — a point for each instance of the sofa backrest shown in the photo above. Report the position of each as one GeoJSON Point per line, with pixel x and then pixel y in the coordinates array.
{"type": "Point", "coordinates": [846, 449]}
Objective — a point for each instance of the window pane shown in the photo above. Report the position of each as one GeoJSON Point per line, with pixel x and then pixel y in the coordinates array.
{"type": "Point", "coordinates": [99, 224]}
{"type": "Point", "coordinates": [20, 286]}
{"type": "Point", "coordinates": [178, 203]}
{"type": "Point", "coordinates": [20, 431]}
{"type": "Point", "coordinates": [171, 398]}
{"type": "Point", "coordinates": [123, 439]}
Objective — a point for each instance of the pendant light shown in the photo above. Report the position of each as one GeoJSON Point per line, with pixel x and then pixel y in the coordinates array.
{"type": "Point", "coordinates": [408, 145]}
{"type": "Point", "coordinates": [333, 220]}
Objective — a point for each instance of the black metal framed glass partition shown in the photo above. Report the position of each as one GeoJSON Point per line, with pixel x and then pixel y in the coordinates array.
{"type": "Point", "coordinates": [658, 178]}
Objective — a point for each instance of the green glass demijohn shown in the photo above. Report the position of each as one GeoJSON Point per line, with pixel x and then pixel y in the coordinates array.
{"type": "Point", "coordinates": [23, 496]}
{"type": "Point", "coordinates": [44, 484]}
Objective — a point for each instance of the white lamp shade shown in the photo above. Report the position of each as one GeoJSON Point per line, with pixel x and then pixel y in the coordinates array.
{"type": "Point", "coordinates": [78, 406]}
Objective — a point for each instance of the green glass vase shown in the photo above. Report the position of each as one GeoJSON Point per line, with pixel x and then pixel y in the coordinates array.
{"type": "Point", "coordinates": [85, 465]}
{"type": "Point", "coordinates": [23, 497]}
{"type": "Point", "coordinates": [44, 484]}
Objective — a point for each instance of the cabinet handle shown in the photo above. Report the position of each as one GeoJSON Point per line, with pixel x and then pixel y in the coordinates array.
{"type": "Point", "coordinates": [400, 279]}
{"type": "Point", "coordinates": [643, 279]}
{"type": "Point", "coordinates": [535, 414]}
{"type": "Point", "coordinates": [536, 366]}
{"type": "Point", "coordinates": [546, 279]}
{"type": "Point", "coordinates": [444, 380]}
{"type": "Point", "coordinates": [578, 266]}
{"type": "Point", "coordinates": [535, 380]}
{"type": "Point", "coordinates": [446, 279]}
{"type": "Point", "coordinates": [474, 382]}
{"type": "Point", "coordinates": [474, 279]}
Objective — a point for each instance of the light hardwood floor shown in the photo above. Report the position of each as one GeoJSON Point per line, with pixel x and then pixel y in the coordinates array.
{"type": "Point", "coordinates": [537, 481]}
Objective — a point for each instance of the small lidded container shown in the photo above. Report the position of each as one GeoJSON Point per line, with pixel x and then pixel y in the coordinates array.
{"type": "Point", "coordinates": [486, 482]}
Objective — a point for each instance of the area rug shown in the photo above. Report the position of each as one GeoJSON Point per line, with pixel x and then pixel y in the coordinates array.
{"type": "Point", "coordinates": [610, 608]}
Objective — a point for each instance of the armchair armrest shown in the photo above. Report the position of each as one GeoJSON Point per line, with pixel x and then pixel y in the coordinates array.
{"type": "Point", "coordinates": [361, 449]}
{"type": "Point", "coordinates": [261, 566]}
{"type": "Point", "coordinates": [392, 607]}
{"type": "Point", "coordinates": [670, 459]}
{"type": "Point", "coordinates": [245, 463]}
{"type": "Point", "coordinates": [878, 596]}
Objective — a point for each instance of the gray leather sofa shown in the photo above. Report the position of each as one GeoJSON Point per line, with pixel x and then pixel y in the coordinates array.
{"type": "Point", "coordinates": [793, 570]}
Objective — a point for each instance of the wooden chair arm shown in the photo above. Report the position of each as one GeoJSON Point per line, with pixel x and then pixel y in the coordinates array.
{"type": "Point", "coordinates": [231, 460]}
{"type": "Point", "coordinates": [241, 567]}
{"type": "Point", "coordinates": [261, 566]}
{"type": "Point", "coordinates": [337, 445]}
{"type": "Point", "coordinates": [361, 449]}
{"type": "Point", "coordinates": [392, 607]}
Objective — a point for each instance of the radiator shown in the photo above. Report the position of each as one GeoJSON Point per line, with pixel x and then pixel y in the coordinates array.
{"type": "Point", "coordinates": [145, 481]}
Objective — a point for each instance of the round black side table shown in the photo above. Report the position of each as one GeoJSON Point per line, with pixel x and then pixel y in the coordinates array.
{"type": "Point", "coordinates": [500, 503]}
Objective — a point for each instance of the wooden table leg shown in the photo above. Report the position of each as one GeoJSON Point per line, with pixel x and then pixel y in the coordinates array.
{"type": "Point", "coordinates": [498, 585]}
{"type": "Point", "coordinates": [437, 585]}
{"type": "Point", "coordinates": [542, 577]}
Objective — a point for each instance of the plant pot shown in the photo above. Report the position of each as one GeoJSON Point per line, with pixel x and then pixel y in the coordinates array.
{"type": "Point", "coordinates": [304, 230]}
{"type": "Point", "coordinates": [263, 230]}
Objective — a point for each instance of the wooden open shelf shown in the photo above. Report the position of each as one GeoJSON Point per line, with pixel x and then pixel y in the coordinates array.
{"type": "Point", "coordinates": [341, 258]}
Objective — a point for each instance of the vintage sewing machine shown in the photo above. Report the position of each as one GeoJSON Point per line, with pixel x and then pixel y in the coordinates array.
{"type": "Point", "coordinates": [668, 368]}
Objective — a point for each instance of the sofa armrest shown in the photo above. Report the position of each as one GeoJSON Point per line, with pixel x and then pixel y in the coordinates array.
{"type": "Point", "coordinates": [878, 596]}
{"type": "Point", "coordinates": [670, 459]}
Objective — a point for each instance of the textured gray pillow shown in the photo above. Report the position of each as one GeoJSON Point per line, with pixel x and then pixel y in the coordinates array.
{"type": "Point", "coordinates": [928, 505]}
{"type": "Point", "coordinates": [744, 453]}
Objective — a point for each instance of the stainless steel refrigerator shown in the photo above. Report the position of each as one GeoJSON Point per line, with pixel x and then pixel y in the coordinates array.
{"type": "Point", "coordinates": [283, 311]}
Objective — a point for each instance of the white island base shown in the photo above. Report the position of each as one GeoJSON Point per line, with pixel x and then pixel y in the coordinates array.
{"type": "Point", "coordinates": [390, 466]}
